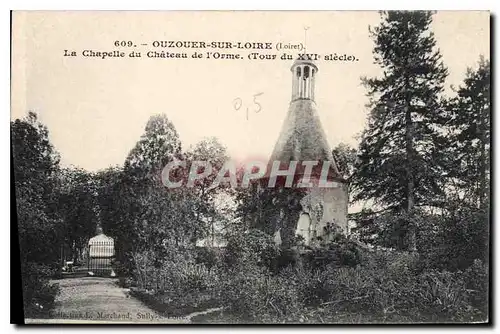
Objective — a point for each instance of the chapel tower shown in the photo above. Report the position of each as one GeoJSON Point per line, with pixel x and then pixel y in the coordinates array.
{"type": "Point", "coordinates": [302, 138]}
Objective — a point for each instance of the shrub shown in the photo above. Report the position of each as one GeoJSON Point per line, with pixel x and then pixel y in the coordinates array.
{"type": "Point", "coordinates": [253, 246]}
{"type": "Point", "coordinates": [441, 296]}
{"type": "Point", "coordinates": [253, 294]}
{"type": "Point", "coordinates": [455, 240]}
{"type": "Point", "coordinates": [339, 252]}
{"type": "Point", "coordinates": [38, 294]}
{"type": "Point", "coordinates": [172, 276]}
{"type": "Point", "coordinates": [476, 282]}
{"type": "Point", "coordinates": [310, 284]}
{"type": "Point", "coordinates": [207, 256]}
{"type": "Point", "coordinates": [177, 286]}
{"type": "Point", "coordinates": [388, 288]}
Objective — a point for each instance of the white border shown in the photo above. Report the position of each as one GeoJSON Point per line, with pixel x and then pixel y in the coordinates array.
{"type": "Point", "coordinates": [191, 5]}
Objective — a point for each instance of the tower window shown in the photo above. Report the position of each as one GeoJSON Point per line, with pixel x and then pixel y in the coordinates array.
{"type": "Point", "coordinates": [298, 72]}
{"type": "Point", "coordinates": [306, 72]}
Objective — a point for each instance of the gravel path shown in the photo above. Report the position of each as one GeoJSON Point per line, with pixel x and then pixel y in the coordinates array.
{"type": "Point", "coordinates": [94, 299]}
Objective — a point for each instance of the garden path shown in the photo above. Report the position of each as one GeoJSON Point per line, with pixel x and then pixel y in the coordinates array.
{"type": "Point", "coordinates": [101, 300]}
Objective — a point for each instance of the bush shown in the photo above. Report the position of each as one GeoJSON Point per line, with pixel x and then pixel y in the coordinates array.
{"type": "Point", "coordinates": [310, 284]}
{"type": "Point", "coordinates": [172, 276]}
{"type": "Point", "coordinates": [253, 294]}
{"type": "Point", "coordinates": [253, 246]}
{"type": "Point", "coordinates": [457, 241]}
{"type": "Point", "coordinates": [207, 256]}
{"type": "Point", "coordinates": [340, 252]}
{"type": "Point", "coordinates": [363, 286]}
{"type": "Point", "coordinates": [396, 291]}
{"type": "Point", "coordinates": [176, 286]}
{"type": "Point", "coordinates": [476, 282]}
{"type": "Point", "coordinates": [38, 294]}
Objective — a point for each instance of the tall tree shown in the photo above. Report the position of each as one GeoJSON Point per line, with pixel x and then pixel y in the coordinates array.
{"type": "Point", "coordinates": [35, 169]}
{"type": "Point", "coordinates": [158, 145]}
{"type": "Point", "coordinates": [468, 120]}
{"type": "Point", "coordinates": [396, 168]}
{"type": "Point", "coordinates": [36, 164]}
{"type": "Point", "coordinates": [158, 216]}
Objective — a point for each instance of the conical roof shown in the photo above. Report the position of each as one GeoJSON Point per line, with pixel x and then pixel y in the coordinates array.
{"type": "Point", "coordinates": [302, 137]}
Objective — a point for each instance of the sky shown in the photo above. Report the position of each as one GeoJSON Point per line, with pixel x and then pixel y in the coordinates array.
{"type": "Point", "coordinates": [96, 109]}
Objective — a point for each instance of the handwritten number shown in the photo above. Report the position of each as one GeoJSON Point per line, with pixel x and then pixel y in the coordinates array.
{"type": "Point", "coordinates": [237, 103]}
{"type": "Point", "coordinates": [257, 103]}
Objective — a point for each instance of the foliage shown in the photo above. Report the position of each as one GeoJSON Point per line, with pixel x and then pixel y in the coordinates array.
{"type": "Point", "coordinates": [38, 294]}
{"type": "Point", "coordinates": [158, 145]}
{"type": "Point", "coordinates": [253, 295]}
{"type": "Point", "coordinates": [346, 157]}
{"type": "Point", "coordinates": [211, 215]}
{"type": "Point", "coordinates": [36, 164]}
{"type": "Point", "coordinates": [208, 256]}
{"type": "Point", "coordinates": [341, 252]}
{"type": "Point", "coordinates": [467, 144]}
{"type": "Point", "coordinates": [390, 229]}
{"type": "Point", "coordinates": [424, 162]}
{"type": "Point", "coordinates": [253, 246]}
{"type": "Point", "coordinates": [77, 207]}
{"type": "Point", "coordinates": [396, 166]}
{"type": "Point", "coordinates": [175, 285]}
{"type": "Point", "coordinates": [385, 286]}
{"type": "Point", "coordinates": [456, 240]}
{"type": "Point", "coordinates": [137, 209]}
{"type": "Point", "coordinates": [270, 209]}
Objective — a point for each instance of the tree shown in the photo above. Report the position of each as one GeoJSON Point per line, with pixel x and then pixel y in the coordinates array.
{"type": "Point", "coordinates": [78, 208]}
{"type": "Point", "coordinates": [36, 164]}
{"type": "Point", "coordinates": [345, 156]}
{"type": "Point", "coordinates": [157, 146]}
{"type": "Point", "coordinates": [468, 140]}
{"type": "Point", "coordinates": [270, 209]}
{"type": "Point", "coordinates": [397, 168]}
{"type": "Point", "coordinates": [155, 215]}
{"type": "Point", "coordinates": [208, 213]}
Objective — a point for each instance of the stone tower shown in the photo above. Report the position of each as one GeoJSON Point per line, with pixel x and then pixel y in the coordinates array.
{"type": "Point", "coordinates": [302, 138]}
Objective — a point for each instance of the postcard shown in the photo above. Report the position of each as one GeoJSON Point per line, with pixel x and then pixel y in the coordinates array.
{"type": "Point", "coordinates": [241, 167]}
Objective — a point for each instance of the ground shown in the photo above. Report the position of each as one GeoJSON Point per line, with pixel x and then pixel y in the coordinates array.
{"type": "Point", "coordinates": [94, 299]}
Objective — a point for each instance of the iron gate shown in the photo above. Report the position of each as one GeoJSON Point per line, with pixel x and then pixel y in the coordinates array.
{"type": "Point", "coordinates": [101, 256]}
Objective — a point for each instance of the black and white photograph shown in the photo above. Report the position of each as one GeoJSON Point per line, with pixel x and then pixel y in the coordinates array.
{"type": "Point", "coordinates": [251, 167]}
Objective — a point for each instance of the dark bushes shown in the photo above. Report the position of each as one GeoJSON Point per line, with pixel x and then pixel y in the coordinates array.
{"type": "Point", "coordinates": [252, 246]}
{"type": "Point", "coordinates": [38, 294]}
{"type": "Point", "coordinates": [337, 282]}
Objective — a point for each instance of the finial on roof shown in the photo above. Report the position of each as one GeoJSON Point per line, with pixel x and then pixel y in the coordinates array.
{"type": "Point", "coordinates": [98, 229]}
{"type": "Point", "coordinates": [305, 38]}
{"type": "Point", "coordinates": [304, 58]}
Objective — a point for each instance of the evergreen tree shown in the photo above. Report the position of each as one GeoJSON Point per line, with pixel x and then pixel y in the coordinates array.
{"type": "Point", "coordinates": [468, 119]}
{"type": "Point", "coordinates": [396, 168]}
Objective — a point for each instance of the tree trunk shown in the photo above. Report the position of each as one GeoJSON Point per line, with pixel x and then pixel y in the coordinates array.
{"type": "Point", "coordinates": [411, 233]}
{"type": "Point", "coordinates": [482, 162]}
